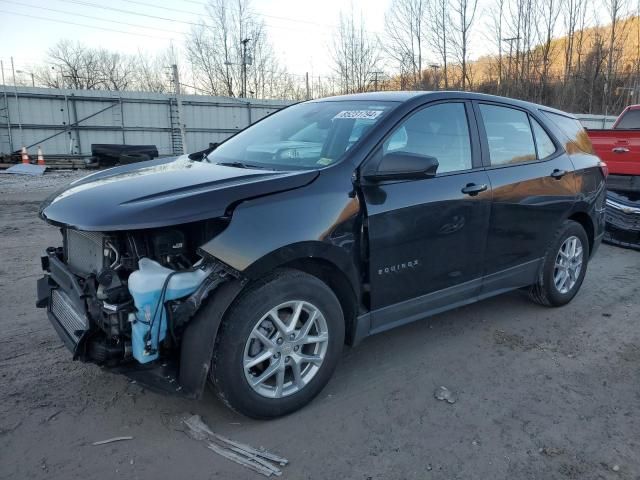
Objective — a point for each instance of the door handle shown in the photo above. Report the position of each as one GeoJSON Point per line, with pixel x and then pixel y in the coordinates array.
{"type": "Point", "coordinates": [620, 150]}
{"type": "Point", "coordinates": [472, 189]}
{"type": "Point", "coordinates": [558, 174]}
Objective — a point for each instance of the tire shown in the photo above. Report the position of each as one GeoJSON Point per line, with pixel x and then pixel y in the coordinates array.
{"type": "Point", "coordinates": [248, 333]}
{"type": "Point", "coordinates": [546, 291]}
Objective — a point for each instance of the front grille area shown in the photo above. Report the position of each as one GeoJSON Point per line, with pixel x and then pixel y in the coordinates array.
{"type": "Point", "coordinates": [64, 311]}
{"type": "Point", "coordinates": [84, 251]}
{"type": "Point", "coordinates": [626, 221]}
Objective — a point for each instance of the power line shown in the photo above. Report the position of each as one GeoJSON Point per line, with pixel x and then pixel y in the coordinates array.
{"type": "Point", "coordinates": [186, 22]}
{"type": "Point", "coordinates": [83, 25]}
{"type": "Point", "coordinates": [90, 17]}
{"type": "Point", "coordinates": [172, 20]}
{"type": "Point", "coordinates": [129, 12]}
{"type": "Point", "coordinates": [277, 17]}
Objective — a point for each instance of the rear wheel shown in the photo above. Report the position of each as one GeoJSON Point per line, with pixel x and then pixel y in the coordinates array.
{"type": "Point", "coordinates": [564, 268]}
{"type": "Point", "coordinates": [278, 345]}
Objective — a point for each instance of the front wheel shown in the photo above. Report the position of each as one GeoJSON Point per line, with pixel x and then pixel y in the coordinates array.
{"type": "Point", "coordinates": [278, 345]}
{"type": "Point", "coordinates": [564, 267]}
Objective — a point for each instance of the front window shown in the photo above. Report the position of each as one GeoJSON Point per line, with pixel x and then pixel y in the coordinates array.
{"type": "Point", "coordinates": [439, 131]}
{"type": "Point", "coordinates": [304, 136]}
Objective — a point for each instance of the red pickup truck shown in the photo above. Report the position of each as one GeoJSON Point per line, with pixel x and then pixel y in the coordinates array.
{"type": "Point", "coordinates": [619, 147]}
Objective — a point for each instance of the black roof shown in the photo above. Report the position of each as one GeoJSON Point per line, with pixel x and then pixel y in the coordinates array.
{"type": "Point", "coordinates": [404, 96]}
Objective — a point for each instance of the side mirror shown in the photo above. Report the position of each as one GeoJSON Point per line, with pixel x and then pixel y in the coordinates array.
{"type": "Point", "coordinates": [403, 166]}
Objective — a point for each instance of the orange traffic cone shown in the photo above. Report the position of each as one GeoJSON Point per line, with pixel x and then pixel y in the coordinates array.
{"type": "Point", "coordinates": [40, 156]}
{"type": "Point", "coordinates": [25, 155]}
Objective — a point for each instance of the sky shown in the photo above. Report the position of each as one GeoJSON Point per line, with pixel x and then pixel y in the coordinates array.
{"type": "Point", "coordinates": [300, 31]}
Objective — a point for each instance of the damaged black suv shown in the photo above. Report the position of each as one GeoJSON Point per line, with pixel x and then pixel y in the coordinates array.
{"type": "Point", "coordinates": [253, 263]}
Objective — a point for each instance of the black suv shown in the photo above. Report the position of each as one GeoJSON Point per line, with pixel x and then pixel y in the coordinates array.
{"type": "Point", "coordinates": [252, 263]}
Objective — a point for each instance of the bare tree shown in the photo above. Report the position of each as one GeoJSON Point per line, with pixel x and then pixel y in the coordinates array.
{"type": "Point", "coordinates": [115, 71]}
{"type": "Point", "coordinates": [549, 11]}
{"type": "Point", "coordinates": [71, 65]}
{"type": "Point", "coordinates": [218, 54]}
{"type": "Point", "coordinates": [616, 9]}
{"type": "Point", "coordinates": [355, 54]}
{"type": "Point", "coordinates": [440, 26]}
{"type": "Point", "coordinates": [464, 15]}
{"type": "Point", "coordinates": [496, 36]}
{"type": "Point", "coordinates": [151, 71]}
{"type": "Point", "coordinates": [405, 37]}
{"type": "Point", "coordinates": [571, 13]}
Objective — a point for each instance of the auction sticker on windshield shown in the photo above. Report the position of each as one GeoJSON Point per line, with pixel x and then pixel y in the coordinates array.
{"type": "Point", "coordinates": [366, 114]}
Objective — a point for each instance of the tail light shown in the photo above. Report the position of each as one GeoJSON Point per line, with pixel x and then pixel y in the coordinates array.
{"type": "Point", "coordinates": [604, 169]}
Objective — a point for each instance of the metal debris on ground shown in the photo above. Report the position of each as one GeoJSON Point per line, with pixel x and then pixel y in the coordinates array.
{"type": "Point", "coordinates": [111, 440]}
{"type": "Point", "coordinates": [551, 451]}
{"type": "Point", "coordinates": [258, 460]}
{"type": "Point", "coordinates": [443, 393]}
{"type": "Point", "coordinates": [25, 169]}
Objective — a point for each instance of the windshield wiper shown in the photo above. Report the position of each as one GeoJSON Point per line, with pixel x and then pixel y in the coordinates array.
{"type": "Point", "coordinates": [240, 165]}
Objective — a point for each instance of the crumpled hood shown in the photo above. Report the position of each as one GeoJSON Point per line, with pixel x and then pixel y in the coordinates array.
{"type": "Point", "coordinates": [160, 193]}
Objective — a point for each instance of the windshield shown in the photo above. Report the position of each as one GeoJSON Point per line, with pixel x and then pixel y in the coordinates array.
{"type": "Point", "coordinates": [303, 136]}
{"type": "Point", "coordinates": [630, 120]}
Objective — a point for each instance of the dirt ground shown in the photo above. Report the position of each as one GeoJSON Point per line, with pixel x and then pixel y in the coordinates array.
{"type": "Point", "coordinates": [541, 393]}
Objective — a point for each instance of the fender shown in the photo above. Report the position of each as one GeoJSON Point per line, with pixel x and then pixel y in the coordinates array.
{"type": "Point", "coordinates": [322, 220]}
{"type": "Point", "coordinates": [199, 338]}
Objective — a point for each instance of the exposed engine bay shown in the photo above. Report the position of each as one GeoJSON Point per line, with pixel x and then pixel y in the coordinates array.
{"type": "Point", "coordinates": [127, 296]}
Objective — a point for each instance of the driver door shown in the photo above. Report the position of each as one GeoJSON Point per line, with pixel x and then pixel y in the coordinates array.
{"type": "Point", "coordinates": [427, 237]}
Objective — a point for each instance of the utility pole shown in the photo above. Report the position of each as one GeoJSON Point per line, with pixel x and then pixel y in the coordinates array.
{"type": "Point", "coordinates": [436, 80]}
{"type": "Point", "coordinates": [176, 86]}
{"type": "Point", "coordinates": [244, 67]}
{"type": "Point", "coordinates": [6, 106]}
{"type": "Point", "coordinates": [510, 40]}
{"type": "Point", "coordinates": [306, 79]}
{"type": "Point", "coordinates": [375, 79]}
{"type": "Point", "coordinates": [15, 91]}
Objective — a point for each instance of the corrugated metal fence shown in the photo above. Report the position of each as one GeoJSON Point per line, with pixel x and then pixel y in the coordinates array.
{"type": "Point", "coordinates": [596, 121]}
{"type": "Point", "coordinates": [67, 122]}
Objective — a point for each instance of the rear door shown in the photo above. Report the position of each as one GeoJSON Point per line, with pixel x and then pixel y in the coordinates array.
{"type": "Point", "coordinates": [427, 236]}
{"type": "Point", "coordinates": [534, 187]}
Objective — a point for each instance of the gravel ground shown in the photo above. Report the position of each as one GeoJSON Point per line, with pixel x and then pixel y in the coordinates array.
{"type": "Point", "coordinates": [12, 184]}
{"type": "Point", "coordinates": [541, 393]}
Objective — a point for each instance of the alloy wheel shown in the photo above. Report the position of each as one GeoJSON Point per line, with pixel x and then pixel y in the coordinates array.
{"type": "Point", "coordinates": [568, 264]}
{"type": "Point", "coordinates": [285, 349]}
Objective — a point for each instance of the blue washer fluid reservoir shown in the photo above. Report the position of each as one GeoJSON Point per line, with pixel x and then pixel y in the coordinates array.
{"type": "Point", "coordinates": [145, 286]}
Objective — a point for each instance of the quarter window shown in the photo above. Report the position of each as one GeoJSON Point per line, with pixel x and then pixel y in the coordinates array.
{"type": "Point", "coordinates": [572, 128]}
{"type": "Point", "coordinates": [508, 135]}
{"type": "Point", "coordinates": [545, 145]}
{"type": "Point", "coordinates": [439, 131]}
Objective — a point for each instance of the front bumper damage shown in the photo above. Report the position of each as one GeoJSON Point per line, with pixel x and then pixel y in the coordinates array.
{"type": "Point", "coordinates": [68, 298]}
{"type": "Point", "coordinates": [623, 219]}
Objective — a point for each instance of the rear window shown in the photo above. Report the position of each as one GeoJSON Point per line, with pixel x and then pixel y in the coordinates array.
{"type": "Point", "coordinates": [509, 135]}
{"type": "Point", "coordinates": [631, 119]}
{"type": "Point", "coordinates": [572, 128]}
